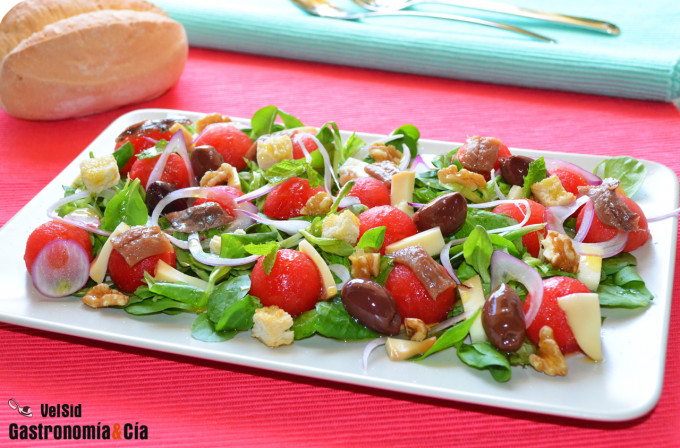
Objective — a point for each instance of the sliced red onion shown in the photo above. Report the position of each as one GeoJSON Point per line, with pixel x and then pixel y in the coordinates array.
{"type": "Point", "coordinates": [405, 158]}
{"type": "Point", "coordinates": [586, 222]}
{"type": "Point", "coordinates": [329, 175]}
{"type": "Point", "coordinates": [265, 189]}
{"type": "Point", "coordinates": [556, 215]}
{"type": "Point", "coordinates": [664, 216]}
{"type": "Point", "coordinates": [61, 268]}
{"type": "Point", "coordinates": [178, 145]}
{"type": "Point", "coordinates": [498, 191]}
{"type": "Point", "coordinates": [242, 221]}
{"type": "Point", "coordinates": [297, 138]}
{"type": "Point", "coordinates": [515, 202]}
{"type": "Point", "coordinates": [416, 204]}
{"type": "Point", "coordinates": [419, 165]}
{"type": "Point", "coordinates": [90, 220]}
{"type": "Point", "coordinates": [604, 249]}
{"type": "Point", "coordinates": [342, 272]}
{"type": "Point", "coordinates": [504, 267]}
{"type": "Point", "coordinates": [213, 260]}
{"type": "Point", "coordinates": [389, 138]}
{"type": "Point", "coordinates": [348, 201]}
{"type": "Point", "coordinates": [554, 164]}
{"type": "Point", "coordinates": [191, 192]}
{"type": "Point", "coordinates": [52, 213]}
{"type": "Point", "coordinates": [288, 226]}
{"type": "Point", "coordinates": [443, 325]}
{"type": "Point", "coordinates": [153, 141]}
{"type": "Point", "coordinates": [375, 343]}
{"type": "Point", "coordinates": [445, 259]}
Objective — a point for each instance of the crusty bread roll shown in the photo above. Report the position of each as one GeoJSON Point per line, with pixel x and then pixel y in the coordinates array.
{"type": "Point", "coordinates": [69, 58]}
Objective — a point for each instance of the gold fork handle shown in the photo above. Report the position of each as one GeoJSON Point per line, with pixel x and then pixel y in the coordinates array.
{"type": "Point", "coordinates": [493, 6]}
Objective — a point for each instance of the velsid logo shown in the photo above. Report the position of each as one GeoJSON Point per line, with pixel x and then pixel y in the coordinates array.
{"type": "Point", "coordinates": [22, 410]}
{"type": "Point", "coordinates": [98, 431]}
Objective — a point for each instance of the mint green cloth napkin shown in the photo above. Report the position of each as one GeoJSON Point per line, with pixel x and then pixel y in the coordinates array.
{"type": "Point", "coordinates": [643, 62]}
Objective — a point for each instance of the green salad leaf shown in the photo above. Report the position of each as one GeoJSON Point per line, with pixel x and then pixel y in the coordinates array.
{"type": "Point", "coordinates": [330, 319]}
{"type": "Point", "coordinates": [126, 206]}
{"type": "Point", "coordinates": [537, 172]}
{"type": "Point", "coordinates": [630, 171]}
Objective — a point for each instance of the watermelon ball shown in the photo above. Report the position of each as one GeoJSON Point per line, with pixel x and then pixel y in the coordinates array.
{"type": "Point", "coordinates": [294, 283]}
{"type": "Point", "coordinates": [412, 297]}
{"type": "Point", "coordinates": [370, 191]}
{"type": "Point", "coordinates": [398, 224]}
{"type": "Point", "coordinates": [551, 314]}
{"type": "Point", "coordinates": [517, 211]}
{"type": "Point", "coordinates": [129, 278]}
{"type": "Point", "coordinates": [286, 200]}
{"type": "Point", "coordinates": [175, 172]}
{"type": "Point", "coordinates": [233, 144]}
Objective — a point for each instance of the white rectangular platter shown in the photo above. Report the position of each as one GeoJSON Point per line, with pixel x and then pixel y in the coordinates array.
{"type": "Point", "coordinates": [626, 385]}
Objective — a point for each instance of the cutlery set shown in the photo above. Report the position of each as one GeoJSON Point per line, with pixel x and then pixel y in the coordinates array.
{"type": "Point", "coordinates": [384, 8]}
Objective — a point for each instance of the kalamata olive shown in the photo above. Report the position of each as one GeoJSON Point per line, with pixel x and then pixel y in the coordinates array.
{"type": "Point", "coordinates": [447, 211]}
{"type": "Point", "coordinates": [480, 154]}
{"type": "Point", "coordinates": [205, 158]}
{"type": "Point", "coordinates": [503, 319]}
{"type": "Point", "coordinates": [514, 168]}
{"type": "Point", "coordinates": [372, 305]}
{"type": "Point", "coordinates": [157, 191]}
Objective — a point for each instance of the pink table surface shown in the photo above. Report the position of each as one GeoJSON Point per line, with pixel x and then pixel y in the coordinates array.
{"type": "Point", "coordinates": [183, 401]}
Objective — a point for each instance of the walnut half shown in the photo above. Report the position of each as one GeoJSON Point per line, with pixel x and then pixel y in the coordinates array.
{"type": "Point", "coordinates": [319, 204]}
{"type": "Point", "coordinates": [213, 118]}
{"type": "Point", "coordinates": [559, 250]}
{"type": "Point", "coordinates": [549, 359]}
{"type": "Point", "coordinates": [101, 296]}
{"type": "Point", "coordinates": [468, 179]}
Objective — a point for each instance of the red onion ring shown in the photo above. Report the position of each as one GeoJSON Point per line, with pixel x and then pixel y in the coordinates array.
{"type": "Point", "coordinates": [405, 158]}
{"type": "Point", "coordinates": [192, 192]}
{"type": "Point", "coordinates": [604, 249]}
{"type": "Point", "coordinates": [265, 189]}
{"type": "Point", "coordinates": [341, 272]}
{"type": "Point", "coordinates": [443, 325]}
{"type": "Point", "coordinates": [178, 145]}
{"type": "Point", "coordinates": [288, 226]}
{"type": "Point", "coordinates": [348, 201]}
{"type": "Point", "coordinates": [52, 213]}
{"type": "Point", "coordinates": [664, 216]}
{"type": "Point", "coordinates": [445, 259]}
{"type": "Point", "coordinates": [197, 252]}
{"type": "Point", "coordinates": [298, 139]}
{"type": "Point", "coordinates": [504, 266]}
{"type": "Point", "coordinates": [328, 168]}
{"type": "Point", "coordinates": [242, 221]}
{"type": "Point", "coordinates": [419, 165]}
{"type": "Point", "coordinates": [553, 164]}
{"type": "Point", "coordinates": [516, 202]}
{"type": "Point", "coordinates": [375, 343]}
{"type": "Point", "coordinates": [498, 191]}
{"type": "Point", "coordinates": [586, 222]}
{"type": "Point", "coordinates": [556, 215]}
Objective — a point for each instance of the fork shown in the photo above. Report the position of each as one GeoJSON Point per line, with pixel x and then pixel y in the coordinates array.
{"type": "Point", "coordinates": [498, 7]}
{"type": "Point", "coordinates": [323, 8]}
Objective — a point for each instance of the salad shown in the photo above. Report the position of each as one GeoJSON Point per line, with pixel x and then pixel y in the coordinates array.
{"type": "Point", "coordinates": [289, 232]}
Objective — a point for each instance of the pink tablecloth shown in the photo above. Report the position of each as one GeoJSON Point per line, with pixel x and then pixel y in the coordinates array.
{"type": "Point", "coordinates": [188, 402]}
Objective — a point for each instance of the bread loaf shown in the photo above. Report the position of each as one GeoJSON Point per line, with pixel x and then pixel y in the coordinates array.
{"type": "Point", "coordinates": [69, 58]}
